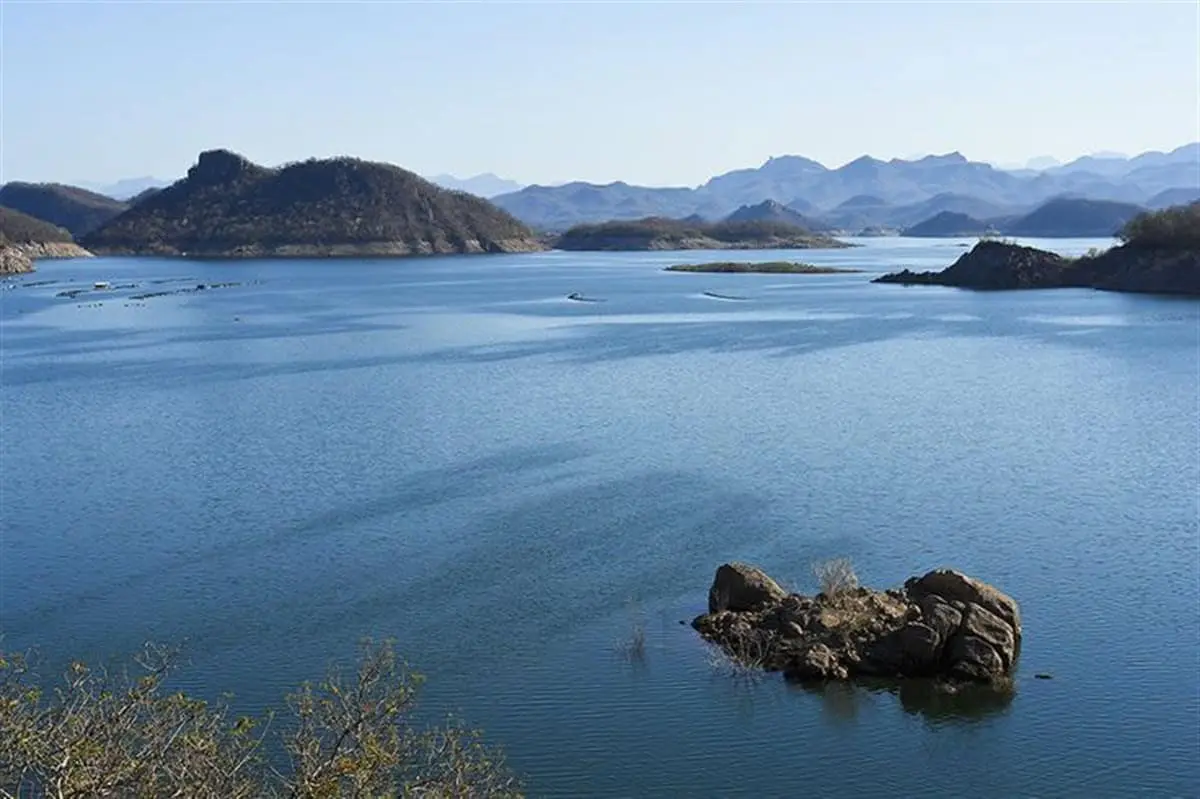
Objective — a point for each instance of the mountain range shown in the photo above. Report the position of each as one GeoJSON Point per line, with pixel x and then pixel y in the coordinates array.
{"type": "Point", "coordinates": [869, 192]}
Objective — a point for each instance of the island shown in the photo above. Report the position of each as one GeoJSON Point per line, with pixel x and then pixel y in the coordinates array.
{"type": "Point", "coordinates": [229, 207]}
{"type": "Point", "coordinates": [1159, 253]}
{"type": "Point", "coordinates": [660, 233]}
{"type": "Point", "coordinates": [765, 268]}
{"type": "Point", "coordinates": [24, 239]}
{"type": "Point", "coordinates": [943, 626]}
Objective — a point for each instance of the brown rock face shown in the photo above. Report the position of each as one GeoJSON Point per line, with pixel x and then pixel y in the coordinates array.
{"type": "Point", "coordinates": [741, 587]}
{"type": "Point", "coordinates": [943, 625]}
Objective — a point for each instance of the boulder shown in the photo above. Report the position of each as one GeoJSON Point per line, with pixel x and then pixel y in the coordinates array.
{"type": "Point", "coordinates": [943, 625]}
{"type": "Point", "coordinates": [741, 587]}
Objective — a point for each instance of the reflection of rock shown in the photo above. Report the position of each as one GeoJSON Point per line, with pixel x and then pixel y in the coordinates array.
{"type": "Point", "coordinates": [938, 701]}
{"type": "Point", "coordinates": [944, 625]}
{"type": "Point", "coordinates": [930, 699]}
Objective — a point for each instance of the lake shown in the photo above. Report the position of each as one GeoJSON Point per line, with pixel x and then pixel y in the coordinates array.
{"type": "Point", "coordinates": [450, 452]}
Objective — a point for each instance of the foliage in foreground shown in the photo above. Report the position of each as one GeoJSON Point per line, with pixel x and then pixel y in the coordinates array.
{"type": "Point", "coordinates": [100, 735]}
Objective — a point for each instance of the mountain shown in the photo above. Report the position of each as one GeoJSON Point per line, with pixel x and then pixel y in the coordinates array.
{"type": "Point", "coordinates": [227, 206]}
{"type": "Point", "coordinates": [556, 208]}
{"type": "Point", "coordinates": [808, 185]}
{"type": "Point", "coordinates": [656, 233]}
{"type": "Point", "coordinates": [485, 185]}
{"type": "Point", "coordinates": [773, 211]}
{"type": "Point", "coordinates": [1176, 196]}
{"type": "Point", "coordinates": [126, 188]}
{"type": "Point", "coordinates": [78, 210]}
{"type": "Point", "coordinates": [947, 224]}
{"type": "Point", "coordinates": [1117, 165]}
{"type": "Point", "coordinates": [1073, 217]}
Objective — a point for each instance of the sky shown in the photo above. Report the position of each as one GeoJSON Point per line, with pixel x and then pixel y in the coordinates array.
{"type": "Point", "coordinates": [649, 93]}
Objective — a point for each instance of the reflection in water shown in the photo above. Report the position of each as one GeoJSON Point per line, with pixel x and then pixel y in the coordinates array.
{"type": "Point", "coordinates": [936, 702]}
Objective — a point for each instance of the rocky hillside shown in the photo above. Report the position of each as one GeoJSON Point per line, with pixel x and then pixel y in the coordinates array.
{"type": "Point", "coordinates": [78, 210]}
{"type": "Point", "coordinates": [24, 239]}
{"type": "Point", "coordinates": [227, 206]}
{"type": "Point", "coordinates": [656, 233]}
{"type": "Point", "coordinates": [1159, 254]}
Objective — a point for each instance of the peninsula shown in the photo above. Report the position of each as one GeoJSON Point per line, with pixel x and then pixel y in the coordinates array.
{"type": "Point", "coordinates": [228, 207]}
{"type": "Point", "coordinates": [659, 233]}
{"type": "Point", "coordinates": [1159, 254]}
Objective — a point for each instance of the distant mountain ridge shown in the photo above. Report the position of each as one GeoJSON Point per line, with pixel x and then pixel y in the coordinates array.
{"type": "Point", "coordinates": [485, 185]}
{"type": "Point", "coordinates": [816, 190]}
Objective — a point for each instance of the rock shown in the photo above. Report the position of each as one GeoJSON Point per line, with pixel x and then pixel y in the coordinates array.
{"type": "Point", "coordinates": [817, 662]}
{"type": "Point", "coordinates": [943, 625]}
{"type": "Point", "coordinates": [953, 586]}
{"type": "Point", "coordinates": [741, 587]}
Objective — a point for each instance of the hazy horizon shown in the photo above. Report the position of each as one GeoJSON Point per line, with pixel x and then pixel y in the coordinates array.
{"type": "Point", "coordinates": [648, 94]}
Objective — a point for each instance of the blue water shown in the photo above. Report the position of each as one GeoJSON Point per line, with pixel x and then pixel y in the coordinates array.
{"type": "Point", "coordinates": [449, 452]}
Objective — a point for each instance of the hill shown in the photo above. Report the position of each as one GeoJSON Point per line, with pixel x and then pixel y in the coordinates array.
{"type": "Point", "coordinates": [774, 211]}
{"type": "Point", "coordinates": [24, 239]}
{"type": "Point", "coordinates": [1159, 253]}
{"type": "Point", "coordinates": [19, 228]}
{"type": "Point", "coordinates": [1177, 196]}
{"type": "Point", "coordinates": [1073, 217]}
{"type": "Point", "coordinates": [656, 233]}
{"type": "Point", "coordinates": [78, 210]}
{"type": "Point", "coordinates": [947, 224]}
{"type": "Point", "coordinates": [227, 206]}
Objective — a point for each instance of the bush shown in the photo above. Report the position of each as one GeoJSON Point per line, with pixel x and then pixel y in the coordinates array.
{"type": "Point", "coordinates": [835, 577]}
{"type": "Point", "coordinates": [100, 735]}
{"type": "Point", "coordinates": [1175, 228]}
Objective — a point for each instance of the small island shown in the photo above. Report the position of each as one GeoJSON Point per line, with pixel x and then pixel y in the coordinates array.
{"type": "Point", "coordinates": [1159, 253]}
{"type": "Point", "coordinates": [764, 268]}
{"type": "Point", "coordinates": [658, 233]}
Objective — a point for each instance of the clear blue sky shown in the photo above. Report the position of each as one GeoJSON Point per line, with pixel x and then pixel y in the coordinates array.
{"type": "Point", "coordinates": [648, 93]}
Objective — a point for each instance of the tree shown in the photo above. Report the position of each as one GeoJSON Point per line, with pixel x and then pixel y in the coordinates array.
{"type": "Point", "coordinates": [1176, 228]}
{"type": "Point", "coordinates": [100, 735]}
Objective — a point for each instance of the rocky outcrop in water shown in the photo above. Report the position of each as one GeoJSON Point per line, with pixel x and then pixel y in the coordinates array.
{"type": "Point", "coordinates": [992, 265]}
{"type": "Point", "coordinates": [942, 625]}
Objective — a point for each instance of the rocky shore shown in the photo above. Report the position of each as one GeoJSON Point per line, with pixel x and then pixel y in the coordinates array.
{"type": "Point", "coordinates": [17, 259]}
{"type": "Point", "coordinates": [942, 625]}
{"type": "Point", "coordinates": [996, 265]}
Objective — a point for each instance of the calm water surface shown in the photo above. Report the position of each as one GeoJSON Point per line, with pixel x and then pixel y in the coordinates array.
{"type": "Point", "coordinates": [449, 452]}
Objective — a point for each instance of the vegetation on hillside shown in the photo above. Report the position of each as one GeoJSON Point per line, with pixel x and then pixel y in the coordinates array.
{"type": "Point", "coordinates": [1175, 228]}
{"type": "Point", "coordinates": [662, 233]}
{"type": "Point", "coordinates": [120, 736]}
{"type": "Point", "coordinates": [767, 267]}
{"type": "Point", "coordinates": [20, 228]}
{"type": "Point", "coordinates": [78, 210]}
{"type": "Point", "coordinates": [227, 204]}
